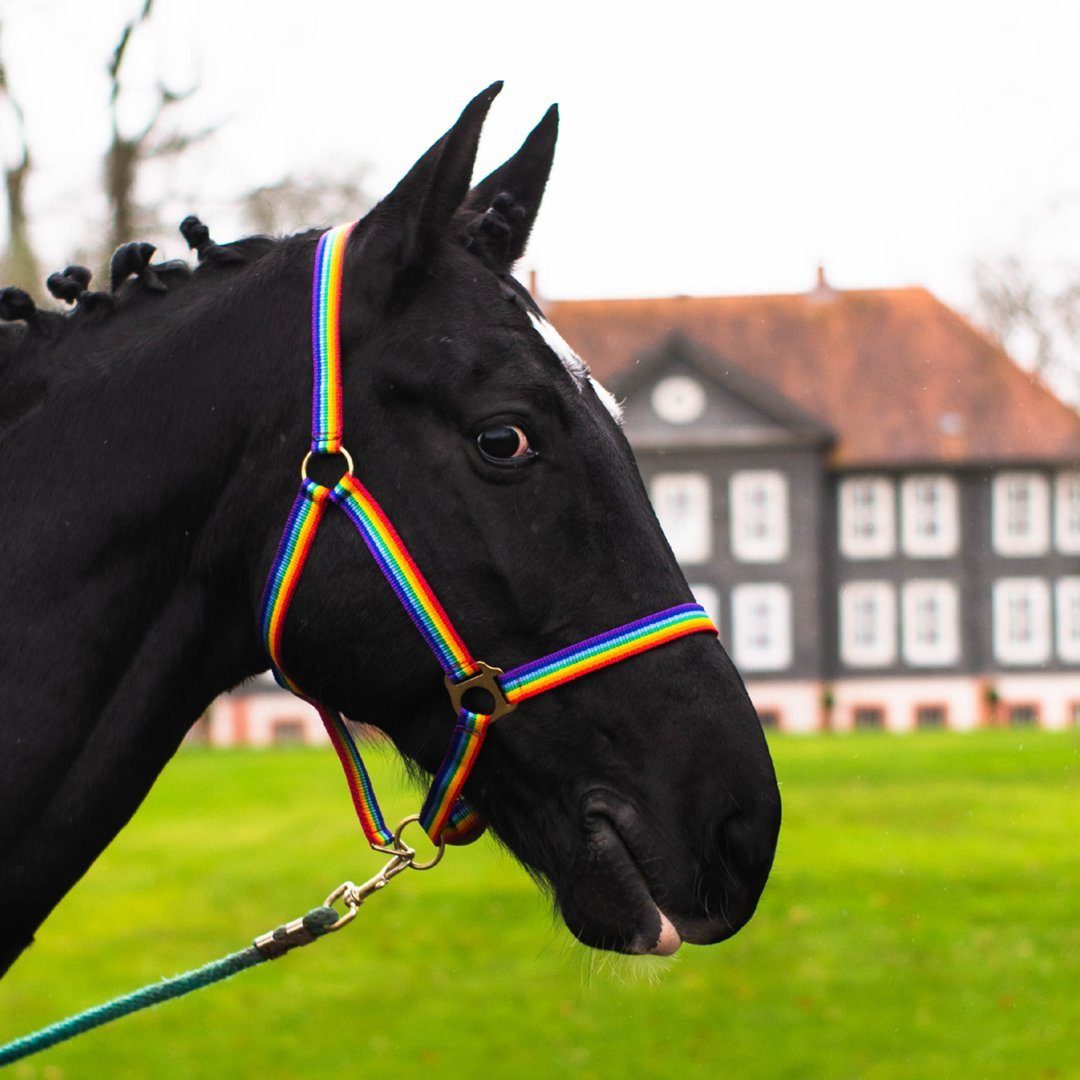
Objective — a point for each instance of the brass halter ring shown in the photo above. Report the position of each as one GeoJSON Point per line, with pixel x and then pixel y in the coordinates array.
{"type": "Point", "coordinates": [434, 861]}
{"type": "Point", "coordinates": [322, 453]}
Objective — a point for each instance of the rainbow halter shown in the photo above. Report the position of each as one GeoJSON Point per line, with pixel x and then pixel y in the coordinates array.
{"type": "Point", "coordinates": [445, 815]}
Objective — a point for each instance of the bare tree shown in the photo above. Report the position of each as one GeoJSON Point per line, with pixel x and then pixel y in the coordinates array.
{"type": "Point", "coordinates": [19, 265]}
{"type": "Point", "coordinates": [298, 201]}
{"type": "Point", "coordinates": [127, 153]}
{"type": "Point", "coordinates": [1037, 322]}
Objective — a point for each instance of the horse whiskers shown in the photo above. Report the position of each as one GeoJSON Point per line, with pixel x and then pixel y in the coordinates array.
{"type": "Point", "coordinates": [629, 970]}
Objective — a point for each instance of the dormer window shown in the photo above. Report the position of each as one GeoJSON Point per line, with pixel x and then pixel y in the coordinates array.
{"type": "Point", "coordinates": [930, 516]}
{"type": "Point", "coordinates": [759, 516]}
{"type": "Point", "coordinates": [678, 399]}
{"type": "Point", "coordinates": [1021, 512]}
{"type": "Point", "coordinates": [867, 518]}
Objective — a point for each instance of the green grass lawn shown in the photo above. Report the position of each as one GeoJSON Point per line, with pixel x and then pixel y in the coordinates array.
{"type": "Point", "coordinates": [922, 921]}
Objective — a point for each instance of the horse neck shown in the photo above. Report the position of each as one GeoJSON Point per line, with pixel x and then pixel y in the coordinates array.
{"type": "Point", "coordinates": [125, 606]}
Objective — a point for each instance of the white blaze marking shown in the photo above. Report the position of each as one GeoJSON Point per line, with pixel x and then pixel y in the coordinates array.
{"type": "Point", "coordinates": [608, 400]}
{"type": "Point", "coordinates": [559, 346]}
{"type": "Point", "coordinates": [578, 369]}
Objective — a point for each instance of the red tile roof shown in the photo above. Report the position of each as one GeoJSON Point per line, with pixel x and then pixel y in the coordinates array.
{"type": "Point", "coordinates": [901, 378]}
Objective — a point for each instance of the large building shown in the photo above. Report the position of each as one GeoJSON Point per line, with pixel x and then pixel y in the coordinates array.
{"type": "Point", "coordinates": [878, 507]}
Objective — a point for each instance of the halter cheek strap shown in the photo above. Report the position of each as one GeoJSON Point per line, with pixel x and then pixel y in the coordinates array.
{"type": "Point", "coordinates": [445, 815]}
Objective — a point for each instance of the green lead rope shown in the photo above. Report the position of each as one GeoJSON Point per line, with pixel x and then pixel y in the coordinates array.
{"type": "Point", "coordinates": [311, 927]}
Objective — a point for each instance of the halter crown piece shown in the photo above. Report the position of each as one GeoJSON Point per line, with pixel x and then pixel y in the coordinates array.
{"type": "Point", "coordinates": [445, 815]}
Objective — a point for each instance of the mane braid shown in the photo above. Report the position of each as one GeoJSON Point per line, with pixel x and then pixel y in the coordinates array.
{"type": "Point", "coordinates": [97, 310]}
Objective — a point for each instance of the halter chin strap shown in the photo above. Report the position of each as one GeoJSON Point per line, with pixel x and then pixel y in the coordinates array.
{"type": "Point", "coordinates": [445, 815]}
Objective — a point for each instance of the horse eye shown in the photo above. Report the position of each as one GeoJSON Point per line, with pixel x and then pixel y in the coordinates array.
{"type": "Point", "coordinates": [504, 443]}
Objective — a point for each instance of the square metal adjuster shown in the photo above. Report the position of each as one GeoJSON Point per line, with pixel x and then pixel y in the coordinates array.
{"type": "Point", "coordinates": [485, 686]}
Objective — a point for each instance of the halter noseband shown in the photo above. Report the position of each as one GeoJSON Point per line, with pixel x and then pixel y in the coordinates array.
{"type": "Point", "coordinates": [445, 816]}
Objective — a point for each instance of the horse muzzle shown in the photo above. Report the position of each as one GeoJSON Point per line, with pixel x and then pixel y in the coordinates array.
{"type": "Point", "coordinates": [637, 887]}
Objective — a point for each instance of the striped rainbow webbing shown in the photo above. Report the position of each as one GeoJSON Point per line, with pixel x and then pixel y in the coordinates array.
{"type": "Point", "coordinates": [445, 815]}
{"type": "Point", "coordinates": [326, 399]}
{"type": "Point", "coordinates": [535, 677]}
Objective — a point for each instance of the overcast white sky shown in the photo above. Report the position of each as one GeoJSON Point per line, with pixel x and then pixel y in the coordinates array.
{"type": "Point", "coordinates": [705, 148]}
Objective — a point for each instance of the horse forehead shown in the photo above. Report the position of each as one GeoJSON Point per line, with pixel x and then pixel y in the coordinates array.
{"type": "Point", "coordinates": [578, 369]}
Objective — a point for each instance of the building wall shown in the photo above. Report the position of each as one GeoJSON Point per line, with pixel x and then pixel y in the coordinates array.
{"type": "Point", "coordinates": [906, 703]}
{"type": "Point", "coordinates": [972, 688]}
{"type": "Point", "coordinates": [1055, 699]}
{"type": "Point", "coordinates": [799, 571]}
{"type": "Point", "coordinates": [793, 707]}
{"type": "Point", "coordinates": [895, 569]}
{"type": "Point", "coordinates": [986, 565]}
{"type": "Point", "coordinates": [900, 699]}
{"type": "Point", "coordinates": [974, 569]}
{"type": "Point", "coordinates": [262, 715]}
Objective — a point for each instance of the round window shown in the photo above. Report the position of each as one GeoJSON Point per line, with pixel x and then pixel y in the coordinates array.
{"type": "Point", "coordinates": [678, 399]}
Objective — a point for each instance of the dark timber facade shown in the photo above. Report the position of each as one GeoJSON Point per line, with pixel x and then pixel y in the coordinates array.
{"type": "Point", "coordinates": [881, 509]}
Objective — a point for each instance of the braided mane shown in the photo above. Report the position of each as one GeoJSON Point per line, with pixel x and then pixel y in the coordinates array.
{"type": "Point", "coordinates": [135, 283]}
{"type": "Point", "coordinates": [33, 342]}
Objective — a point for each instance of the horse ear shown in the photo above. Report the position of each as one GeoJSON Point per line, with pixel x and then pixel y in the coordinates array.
{"type": "Point", "coordinates": [498, 214]}
{"type": "Point", "coordinates": [405, 226]}
{"type": "Point", "coordinates": [453, 171]}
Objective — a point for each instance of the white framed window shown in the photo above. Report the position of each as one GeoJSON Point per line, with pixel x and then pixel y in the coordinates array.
{"type": "Point", "coordinates": [1021, 620]}
{"type": "Point", "coordinates": [867, 508]}
{"type": "Point", "coordinates": [761, 617]}
{"type": "Point", "coordinates": [683, 505]}
{"type": "Point", "coordinates": [868, 623]}
{"type": "Point", "coordinates": [930, 516]}
{"type": "Point", "coordinates": [708, 596]}
{"type": "Point", "coordinates": [931, 623]}
{"type": "Point", "coordinates": [759, 515]}
{"type": "Point", "coordinates": [1067, 600]}
{"type": "Point", "coordinates": [1067, 512]}
{"type": "Point", "coordinates": [1021, 514]}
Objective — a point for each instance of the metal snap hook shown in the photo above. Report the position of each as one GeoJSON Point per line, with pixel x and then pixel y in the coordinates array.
{"type": "Point", "coordinates": [344, 891]}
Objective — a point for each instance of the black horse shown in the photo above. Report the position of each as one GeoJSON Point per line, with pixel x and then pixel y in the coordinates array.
{"type": "Point", "coordinates": [150, 443]}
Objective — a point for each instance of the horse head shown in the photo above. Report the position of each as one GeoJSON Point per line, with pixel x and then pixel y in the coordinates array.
{"type": "Point", "coordinates": [151, 443]}
{"type": "Point", "coordinates": [644, 793]}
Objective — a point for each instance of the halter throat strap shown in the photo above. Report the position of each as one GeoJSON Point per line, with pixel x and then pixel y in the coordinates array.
{"type": "Point", "coordinates": [445, 815]}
